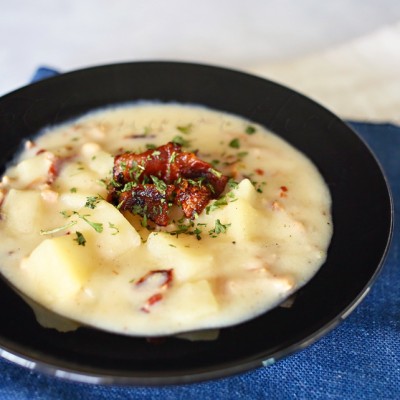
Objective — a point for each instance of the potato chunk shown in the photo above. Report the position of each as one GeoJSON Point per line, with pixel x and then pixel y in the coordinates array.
{"type": "Point", "coordinates": [180, 253]}
{"type": "Point", "coordinates": [101, 162]}
{"type": "Point", "coordinates": [58, 267]}
{"type": "Point", "coordinates": [21, 219]}
{"type": "Point", "coordinates": [81, 178]}
{"type": "Point", "coordinates": [117, 235]}
{"type": "Point", "coordinates": [241, 215]}
{"type": "Point", "coordinates": [32, 171]}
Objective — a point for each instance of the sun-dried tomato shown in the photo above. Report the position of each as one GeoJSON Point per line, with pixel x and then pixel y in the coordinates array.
{"type": "Point", "coordinates": [149, 183]}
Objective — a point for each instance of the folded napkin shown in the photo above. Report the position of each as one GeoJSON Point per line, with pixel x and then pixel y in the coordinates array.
{"type": "Point", "coordinates": [358, 79]}
{"type": "Point", "coordinates": [360, 359]}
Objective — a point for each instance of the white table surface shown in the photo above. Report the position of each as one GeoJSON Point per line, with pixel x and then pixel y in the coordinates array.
{"type": "Point", "coordinates": [284, 40]}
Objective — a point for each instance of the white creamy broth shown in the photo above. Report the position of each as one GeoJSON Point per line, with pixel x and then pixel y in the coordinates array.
{"type": "Point", "coordinates": [69, 250]}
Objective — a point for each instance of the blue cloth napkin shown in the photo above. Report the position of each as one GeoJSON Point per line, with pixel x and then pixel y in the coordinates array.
{"type": "Point", "coordinates": [360, 359]}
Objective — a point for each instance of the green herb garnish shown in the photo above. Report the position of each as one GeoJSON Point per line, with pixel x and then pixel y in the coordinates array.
{"type": "Point", "coordinates": [222, 201]}
{"type": "Point", "coordinates": [112, 226]}
{"type": "Point", "coordinates": [185, 129]}
{"type": "Point", "coordinates": [92, 201]}
{"type": "Point", "coordinates": [181, 141]}
{"type": "Point", "coordinates": [215, 172]}
{"type": "Point", "coordinates": [80, 239]}
{"type": "Point", "coordinates": [234, 143]}
{"type": "Point", "coordinates": [219, 228]}
{"type": "Point", "coordinates": [250, 130]}
{"type": "Point", "coordinates": [160, 185]}
{"type": "Point", "coordinates": [97, 226]}
{"type": "Point", "coordinates": [232, 184]}
{"type": "Point", "coordinates": [59, 229]}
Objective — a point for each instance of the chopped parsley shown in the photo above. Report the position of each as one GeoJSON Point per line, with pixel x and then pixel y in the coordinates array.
{"type": "Point", "coordinates": [250, 130]}
{"type": "Point", "coordinates": [232, 184]}
{"type": "Point", "coordinates": [181, 141]}
{"type": "Point", "coordinates": [215, 172]}
{"type": "Point", "coordinates": [222, 201]}
{"type": "Point", "coordinates": [97, 226]}
{"type": "Point", "coordinates": [144, 222]}
{"type": "Point", "coordinates": [112, 226]}
{"type": "Point", "coordinates": [128, 186]}
{"type": "Point", "coordinates": [234, 143]}
{"type": "Point", "coordinates": [59, 229]}
{"type": "Point", "coordinates": [172, 158]}
{"type": "Point", "coordinates": [186, 129]}
{"type": "Point", "coordinates": [80, 239]}
{"type": "Point", "coordinates": [160, 185]}
{"type": "Point", "coordinates": [258, 186]}
{"type": "Point", "coordinates": [190, 229]}
{"type": "Point", "coordinates": [92, 201]}
{"type": "Point", "coordinates": [219, 228]}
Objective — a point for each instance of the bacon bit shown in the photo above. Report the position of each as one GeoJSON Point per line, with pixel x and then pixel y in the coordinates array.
{"type": "Point", "coordinates": [284, 190]}
{"type": "Point", "coordinates": [155, 298]}
{"type": "Point", "coordinates": [168, 277]}
{"type": "Point", "coordinates": [40, 151]}
{"type": "Point", "coordinates": [151, 301]}
{"type": "Point", "coordinates": [52, 173]}
{"type": "Point", "coordinates": [55, 166]}
{"type": "Point", "coordinates": [259, 171]}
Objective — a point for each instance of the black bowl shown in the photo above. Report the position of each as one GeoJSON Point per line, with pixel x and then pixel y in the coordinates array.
{"type": "Point", "coordinates": [362, 216]}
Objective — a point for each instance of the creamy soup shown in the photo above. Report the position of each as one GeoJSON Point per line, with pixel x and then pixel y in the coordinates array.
{"type": "Point", "coordinates": [65, 246]}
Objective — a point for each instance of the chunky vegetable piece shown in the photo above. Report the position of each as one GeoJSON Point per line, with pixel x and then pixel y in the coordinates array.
{"type": "Point", "coordinates": [149, 183]}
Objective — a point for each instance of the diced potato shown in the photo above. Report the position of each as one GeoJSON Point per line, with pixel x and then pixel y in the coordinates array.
{"type": "Point", "coordinates": [117, 236]}
{"type": "Point", "coordinates": [192, 300]}
{"type": "Point", "coordinates": [240, 215]}
{"type": "Point", "coordinates": [101, 162]}
{"type": "Point", "coordinates": [73, 201]}
{"type": "Point", "coordinates": [59, 267]}
{"type": "Point", "coordinates": [180, 253]}
{"type": "Point", "coordinates": [80, 178]}
{"type": "Point", "coordinates": [32, 171]}
{"type": "Point", "coordinates": [246, 191]}
{"type": "Point", "coordinates": [19, 218]}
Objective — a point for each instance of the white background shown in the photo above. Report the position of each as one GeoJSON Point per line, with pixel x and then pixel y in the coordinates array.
{"type": "Point", "coordinates": [71, 34]}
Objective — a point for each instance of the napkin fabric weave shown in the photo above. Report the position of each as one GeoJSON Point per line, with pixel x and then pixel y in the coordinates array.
{"type": "Point", "coordinates": [360, 359]}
